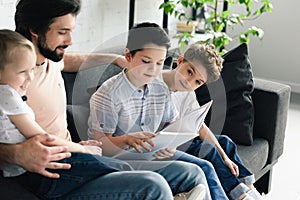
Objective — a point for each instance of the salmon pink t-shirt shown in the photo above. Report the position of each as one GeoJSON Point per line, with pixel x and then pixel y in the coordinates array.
{"type": "Point", "coordinates": [47, 97]}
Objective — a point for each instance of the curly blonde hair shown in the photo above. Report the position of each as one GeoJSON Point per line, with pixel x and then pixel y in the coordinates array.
{"type": "Point", "coordinates": [206, 55]}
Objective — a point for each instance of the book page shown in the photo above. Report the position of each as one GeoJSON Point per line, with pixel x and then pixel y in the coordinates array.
{"type": "Point", "coordinates": [162, 140]}
{"type": "Point", "coordinates": [172, 136]}
{"type": "Point", "coordinates": [190, 122]}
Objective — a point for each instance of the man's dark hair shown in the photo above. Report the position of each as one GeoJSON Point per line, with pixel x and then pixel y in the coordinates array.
{"type": "Point", "coordinates": [38, 15]}
{"type": "Point", "coordinates": [146, 33]}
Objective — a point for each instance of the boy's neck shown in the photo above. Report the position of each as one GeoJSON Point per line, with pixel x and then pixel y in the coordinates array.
{"type": "Point", "coordinates": [168, 77]}
{"type": "Point", "coordinates": [131, 80]}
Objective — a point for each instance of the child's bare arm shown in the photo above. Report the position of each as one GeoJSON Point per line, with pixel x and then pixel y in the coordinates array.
{"type": "Point", "coordinates": [29, 128]}
{"type": "Point", "coordinates": [205, 134]}
{"type": "Point", "coordinates": [112, 145]}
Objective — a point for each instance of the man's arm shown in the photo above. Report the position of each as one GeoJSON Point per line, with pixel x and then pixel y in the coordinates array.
{"type": "Point", "coordinates": [74, 62]}
{"type": "Point", "coordinates": [35, 155]}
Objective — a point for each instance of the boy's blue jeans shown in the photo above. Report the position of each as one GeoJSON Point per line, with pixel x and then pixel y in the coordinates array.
{"type": "Point", "coordinates": [207, 151]}
{"type": "Point", "coordinates": [99, 177]}
{"type": "Point", "coordinates": [215, 187]}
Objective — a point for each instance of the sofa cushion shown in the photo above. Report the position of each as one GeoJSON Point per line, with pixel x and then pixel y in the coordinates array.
{"type": "Point", "coordinates": [78, 83]}
{"type": "Point", "coordinates": [77, 116]}
{"type": "Point", "coordinates": [255, 156]}
{"type": "Point", "coordinates": [232, 112]}
{"type": "Point", "coordinates": [85, 84]}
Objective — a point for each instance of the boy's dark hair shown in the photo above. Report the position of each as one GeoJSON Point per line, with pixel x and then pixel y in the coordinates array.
{"type": "Point", "coordinates": [38, 15]}
{"type": "Point", "coordinates": [146, 33]}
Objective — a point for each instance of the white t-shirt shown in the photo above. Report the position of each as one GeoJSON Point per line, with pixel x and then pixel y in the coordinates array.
{"type": "Point", "coordinates": [191, 114]}
{"type": "Point", "coordinates": [11, 103]}
{"type": "Point", "coordinates": [185, 102]}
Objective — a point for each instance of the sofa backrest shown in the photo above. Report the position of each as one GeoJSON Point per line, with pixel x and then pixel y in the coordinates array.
{"type": "Point", "coordinates": [79, 88]}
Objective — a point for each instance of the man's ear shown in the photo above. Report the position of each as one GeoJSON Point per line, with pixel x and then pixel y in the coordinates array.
{"type": "Point", "coordinates": [128, 55]}
{"type": "Point", "coordinates": [180, 60]}
{"type": "Point", "coordinates": [33, 34]}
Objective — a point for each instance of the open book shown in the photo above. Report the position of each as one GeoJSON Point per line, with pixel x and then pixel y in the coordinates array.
{"type": "Point", "coordinates": [172, 136]}
{"type": "Point", "coordinates": [162, 140]}
{"type": "Point", "coordinates": [190, 122]}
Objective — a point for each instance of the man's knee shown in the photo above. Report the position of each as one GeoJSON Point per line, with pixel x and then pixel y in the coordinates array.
{"type": "Point", "coordinates": [206, 165]}
{"type": "Point", "coordinates": [155, 185]}
{"type": "Point", "coordinates": [191, 172]}
{"type": "Point", "coordinates": [152, 178]}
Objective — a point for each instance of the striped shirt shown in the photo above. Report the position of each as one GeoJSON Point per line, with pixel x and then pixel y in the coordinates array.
{"type": "Point", "coordinates": [118, 107]}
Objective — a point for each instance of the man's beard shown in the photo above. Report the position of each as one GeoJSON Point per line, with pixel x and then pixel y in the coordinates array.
{"type": "Point", "coordinates": [47, 52]}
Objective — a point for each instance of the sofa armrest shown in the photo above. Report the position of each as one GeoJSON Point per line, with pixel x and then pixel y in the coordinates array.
{"type": "Point", "coordinates": [271, 102]}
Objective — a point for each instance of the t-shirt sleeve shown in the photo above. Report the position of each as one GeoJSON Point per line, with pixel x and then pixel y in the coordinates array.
{"type": "Point", "coordinates": [103, 112]}
{"type": "Point", "coordinates": [11, 102]}
{"type": "Point", "coordinates": [171, 112]}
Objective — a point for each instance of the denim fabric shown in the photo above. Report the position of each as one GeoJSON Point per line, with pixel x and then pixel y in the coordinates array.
{"type": "Point", "coordinates": [208, 151]}
{"type": "Point", "coordinates": [229, 147]}
{"type": "Point", "coordinates": [90, 178]}
{"type": "Point", "coordinates": [215, 187]}
{"type": "Point", "coordinates": [133, 185]}
{"type": "Point", "coordinates": [183, 177]}
{"type": "Point", "coordinates": [84, 167]}
{"type": "Point", "coordinates": [237, 192]}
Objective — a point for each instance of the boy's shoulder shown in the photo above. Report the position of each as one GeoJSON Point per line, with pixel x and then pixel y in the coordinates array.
{"type": "Point", "coordinates": [114, 88]}
{"type": "Point", "coordinates": [113, 82]}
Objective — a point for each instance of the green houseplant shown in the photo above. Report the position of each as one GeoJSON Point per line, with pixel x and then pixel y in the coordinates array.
{"type": "Point", "coordinates": [219, 19]}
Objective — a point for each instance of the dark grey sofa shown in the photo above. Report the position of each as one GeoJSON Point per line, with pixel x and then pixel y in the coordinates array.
{"type": "Point", "coordinates": [271, 102]}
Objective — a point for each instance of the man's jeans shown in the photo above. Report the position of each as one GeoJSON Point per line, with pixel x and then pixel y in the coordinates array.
{"type": "Point", "coordinates": [145, 184]}
{"type": "Point", "coordinates": [90, 178]}
{"type": "Point", "coordinates": [84, 167]}
{"type": "Point", "coordinates": [208, 151]}
{"type": "Point", "coordinates": [181, 176]}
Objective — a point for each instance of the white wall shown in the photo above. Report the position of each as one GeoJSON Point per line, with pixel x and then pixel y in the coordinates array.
{"type": "Point", "coordinates": [277, 56]}
{"type": "Point", "coordinates": [102, 24]}
{"type": "Point", "coordinates": [7, 11]}
{"type": "Point", "coordinates": [98, 21]}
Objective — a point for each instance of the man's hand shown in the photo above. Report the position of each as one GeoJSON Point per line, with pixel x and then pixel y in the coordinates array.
{"type": "Point", "coordinates": [121, 62]}
{"type": "Point", "coordinates": [139, 139]}
{"type": "Point", "coordinates": [36, 155]}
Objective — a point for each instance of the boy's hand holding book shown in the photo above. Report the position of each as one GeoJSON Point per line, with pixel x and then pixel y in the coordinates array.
{"type": "Point", "coordinates": [139, 139]}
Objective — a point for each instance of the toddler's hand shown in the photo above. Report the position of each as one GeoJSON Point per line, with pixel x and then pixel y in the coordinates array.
{"type": "Point", "coordinates": [165, 153]}
{"type": "Point", "coordinates": [93, 149]}
{"type": "Point", "coordinates": [91, 143]}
